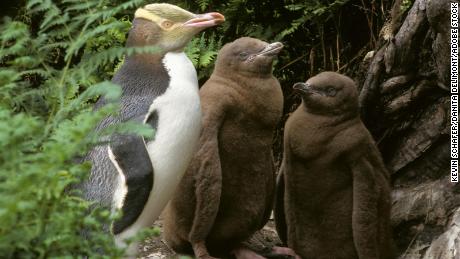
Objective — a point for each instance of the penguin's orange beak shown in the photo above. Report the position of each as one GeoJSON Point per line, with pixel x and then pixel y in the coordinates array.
{"type": "Point", "coordinates": [205, 20]}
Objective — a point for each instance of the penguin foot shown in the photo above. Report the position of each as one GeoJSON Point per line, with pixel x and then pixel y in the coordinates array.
{"type": "Point", "coordinates": [285, 251]}
{"type": "Point", "coordinates": [246, 253]}
{"type": "Point", "coordinates": [201, 252]}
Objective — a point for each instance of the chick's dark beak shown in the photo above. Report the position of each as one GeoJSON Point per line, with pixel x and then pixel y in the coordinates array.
{"type": "Point", "coordinates": [272, 49]}
{"type": "Point", "coordinates": [302, 87]}
{"type": "Point", "coordinates": [205, 20]}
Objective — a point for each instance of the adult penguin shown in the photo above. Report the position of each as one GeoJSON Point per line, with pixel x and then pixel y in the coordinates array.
{"type": "Point", "coordinates": [139, 175]}
{"type": "Point", "coordinates": [333, 198]}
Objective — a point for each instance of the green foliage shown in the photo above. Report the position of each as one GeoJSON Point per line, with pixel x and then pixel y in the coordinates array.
{"type": "Point", "coordinates": [405, 5]}
{"type": "Point", "coordinates": [113, 37]}
{"type": "Point", "coordinates": [203, 4]}
{"type": "Point", "coordinates": [317, 12]}
{"type": "Point", "coordinates": [52, 71]}
{"type": "Point", "coordinates": [202, 51]}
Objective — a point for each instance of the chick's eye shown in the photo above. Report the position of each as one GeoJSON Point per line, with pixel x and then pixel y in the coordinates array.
{"type": "Point", "coordinates": [243, 55]}
{"type": "Point", "coordinates": [167, 24]}
{"type": "Point", "coordinates": [330, 91]}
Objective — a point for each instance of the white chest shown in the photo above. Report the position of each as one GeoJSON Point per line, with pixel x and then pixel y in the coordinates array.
{"type": "Point", "coordinates": [179, 122]}
{"type": "Point", "coordinates": [176, 137]}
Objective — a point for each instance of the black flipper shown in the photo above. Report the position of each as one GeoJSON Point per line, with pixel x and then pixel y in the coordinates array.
{"type": "Point", "coordinates": [280, 218]}
{"type": "Point", "coordinates": [132, 157]}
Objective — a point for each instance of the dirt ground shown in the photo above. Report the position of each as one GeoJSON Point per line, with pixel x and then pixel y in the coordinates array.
{"type": "Point", "coordinates": [156, 248]}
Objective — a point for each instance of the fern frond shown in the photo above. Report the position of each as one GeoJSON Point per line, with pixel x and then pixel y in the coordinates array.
{"type": "Point", "coordinates": [192, 51]}
{"type": "Point", "coordinates": [36, 71]}
{"type": "Point", "coordinates": [54, 45]}
{"type": "Point", "coordinates": [24, 62]}
{"type": "Point", "coordinates": [203, 4]}
{"type": "Point", "coordinates": [107, 89]}
{"type": "Point", "coordinates": [207, 58]}
{"type": "Point", "coordinates": [19, 47]}
{"type": "Point", "coordinates": [12, 31]}
{"type": "Point", "coordinates": [101, 58]}
{"type": "Point", "coordinates": [8, 75]}
{"type": "Point", "coordinates": [43, 5]}
{"type": "Point", "coordinates": [86, 19]}
{"type": "Point", "coordinates": [51, 15]}
{"type": "Point", "coordinates": [62, 19]}
{"type": "Point", "coordinates": [81, 41]}
{"type": "Point", "coordinates": [110, 12]}
{"type": "Point", "coordinates": [295, 7]}
{"type": "Point", "coordinates": [80, 6]}
{"type": "Point", "coordinates": [36, 7]}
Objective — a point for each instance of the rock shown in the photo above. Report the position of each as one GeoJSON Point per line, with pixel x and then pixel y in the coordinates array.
{"type": "Point", "coordinates": [425, 131]}
{"type": "Point", "coordinates": [438, 14]}
{"type": "Point", "coordinates": [395, 83]}
{"type": "Point", "coordinates": [422, 219]}
{"type": "Point", "coordinates": [425, 201]}
{"type": "Point", "coordinates": [448, 244]}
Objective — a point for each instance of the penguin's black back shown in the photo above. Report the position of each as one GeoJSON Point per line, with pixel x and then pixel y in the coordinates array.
{"type": "Point", "coordinates": [141, 83]}
{"type": "Point", "coordinates": [142, 78]}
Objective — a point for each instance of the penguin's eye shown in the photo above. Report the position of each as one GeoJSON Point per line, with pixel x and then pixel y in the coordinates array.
{"type": "Point", "coordinates": [331, 91]}
{"type": "Point", "coordinates": [243, 55]}
{"type": "Point", "coordinates": [167, 24]}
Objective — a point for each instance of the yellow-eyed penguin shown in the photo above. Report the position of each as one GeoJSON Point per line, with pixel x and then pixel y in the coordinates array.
{"type": "Point", "coordinates": [333, 190]}
{"type": "Point", "coordinates": [139, 175]}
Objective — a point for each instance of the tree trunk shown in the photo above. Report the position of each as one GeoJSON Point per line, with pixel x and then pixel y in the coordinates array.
{"type": "Point", "coordinates": [405, 99]}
